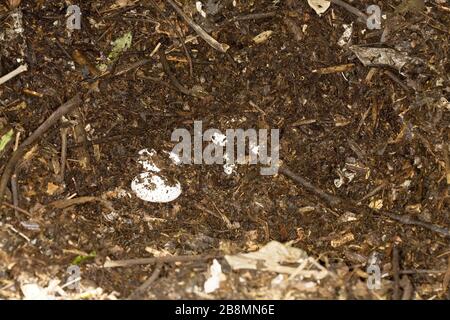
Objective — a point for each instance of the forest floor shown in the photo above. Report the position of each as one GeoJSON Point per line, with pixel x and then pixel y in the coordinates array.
{"type": "Point", "coordinates": [363, 116]}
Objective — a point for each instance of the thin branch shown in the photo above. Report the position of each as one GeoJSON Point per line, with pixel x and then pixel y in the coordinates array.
{"type": "Point", "coordinates": [351, 9]}
{"type": "Point", "coordinates": [167, 259]}
{"type": "Point", "coordinates": [12, 74]}
{"type": "Point", "coordinates": [65, 203]}
{"type": "Point", "coordinates": [222, 47]}
{"type": "Point", "coordinates": [18, 154]}
{"type": "Point", "coordinates": [16, 208]}
{"type": "Point", "coordinates": [409, 221]}
{"type": "Point", "coordinates": [140, 291]}
{"type": "Point", "coordinates": [332, 200]}
{"type": "Point", "coordinates": [349, 205]}
{"type": "Point", "coordinates": [396, 272]}
{"type": "Point", "coordinates": [173, 79]}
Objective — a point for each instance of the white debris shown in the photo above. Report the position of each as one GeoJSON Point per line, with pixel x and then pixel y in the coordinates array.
{"type": "Point", "coordinates": [219, 139]}
{"type": "Point", "coordinates": [273, 256]}
{"type": "Point", "coordinates": [151, 187]}
{"type": "Point", "coordinates": [228, 167]}
{"type": "Point", "coordinates": [199, 7]}
{"type": "Point", "coordinates": [319, 6]}
{"type": "Point", "coordinates": [339, 182]}
{"type": "Point", "coordinates": [346, 36]}
{"type": "Point", "coordinates": [32, 291]}
{"type": "Point", "coordinates": [174, 157]}
{"type": "Point", "coordinates": [146, 160]}
{"type": "Point", "coordinates": [349, 175]}
{"type": "Point", "coordinates": [255, 150]}
{"type": "Point", "coordinates": [215, 277]}
{"type": "Point", "coordinates": [277, 281]}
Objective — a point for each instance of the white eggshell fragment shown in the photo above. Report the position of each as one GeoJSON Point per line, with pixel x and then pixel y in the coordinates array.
{"type": "Point", "coordinates": [145, 159]}
{"type": "Point", "coordinates": [151, 187]}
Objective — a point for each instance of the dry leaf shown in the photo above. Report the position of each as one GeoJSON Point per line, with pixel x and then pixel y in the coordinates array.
{"type": "Point", "coordinates": [373, 56]}
{"type": "Point", "coordinates": [12, 4]}
{"type": "Point", "coordinates": [319, 6]}
{"type": "Point", "coordinates": [263, 36]}
{"type": "Point", "coordinates": [52, 188]}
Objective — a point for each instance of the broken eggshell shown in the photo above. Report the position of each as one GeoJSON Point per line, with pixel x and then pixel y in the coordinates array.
{"type": "Point", "coordinates": [152, 187]}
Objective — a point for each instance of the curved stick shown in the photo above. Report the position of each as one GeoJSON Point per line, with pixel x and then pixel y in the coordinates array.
{"type": "Point", "coordinates": [54, 117]}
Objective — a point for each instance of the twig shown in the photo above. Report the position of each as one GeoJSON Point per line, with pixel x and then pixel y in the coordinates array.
{"type": "Point", "coordinates": [447, 162]}
{"type": "Point", "coordinates": [59, 45]}
{"type": "Point", "coordinates": [222, 47]}
{"type": "Point", "coordinates": [407, 288]}
{"type": "Point", "coordinates": [446, 280]}
{"type": "Point", "coordinates": [156, 80]}
{"type": "Point", "coordinates": [186, 51]}
{"type": "Point", "coordinates": [396, 272]}
{"type": "Point", "coordinates": [18, 232]}
{"type": "Point", "coordinates": [54, 117]}
{"type": "Point", "coordinates": [220, 215]}
{"type": "Point", "coordinates": [409, 221]}
{"type": "Point", "coordinates": [255, 16]}
{"type": "Point", "coordinates": [16, 208]}
{"type": "Point", "coordinates": [188, 56]}
{"type": "Point", "coordinates": [350, 9]}
{"type": "Point", "coordinates": [334, 69]}
{"type": "Point", "coordinates": [14, 191]}
{"type": "Point", "coordinates": [14, 188]}
{"type": "Point", "coordinates": [12, 74]}
{"type": "Point", "coordinates": [140, 291]}
{"type": "Point", "coordinates": [391, 75]}
{"type": "Point", "coordinates": [349, 205]}
{"type": "Point", "coordinates": [333, 200]}
{"type": "Point", "coordinates": [373, 192]}
{"type": "Point", "coordinates": [132, 66]}
{"type": "Point", "coordinates": [81, 137]}
{"type": "Point", "coordinates": [421, 271]}
{"type": "Point", "coordinates": [169, 259]}
{"type": "Point", "coordinates": [173, 79]}
{"type": "Point", "coordinates": [62, 172]}
{"type": "Point", "coordinates": [65, 203]}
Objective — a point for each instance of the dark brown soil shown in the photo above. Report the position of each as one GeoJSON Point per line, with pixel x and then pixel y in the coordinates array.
{"type": "Point", "coordinates": [391, 130]}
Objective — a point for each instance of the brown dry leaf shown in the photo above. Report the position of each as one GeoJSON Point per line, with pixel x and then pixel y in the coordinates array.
{"type": "Point", "coordinates": [122, 3]}
{"type": "Point", "coordinates": [83, 61]}
{"type": "Point", "coordinates": [52, 188]}
{"type": "Point", "coordinates": [410, 6]}
{"type": "Point", "coordinates": [263, 36]}
{"type": "Point", "coordinates": [374, 56]}
{"type": "Point", "coordinates": [294, 28]}
{"type": "Point", "coordinates": [12, 4]}
{"type": "Point", "coordinates": [376, 204]}
{"type": "Point", "coordinates": [346, 238]}
{"type": "Point", "coordinates": [335, 69]}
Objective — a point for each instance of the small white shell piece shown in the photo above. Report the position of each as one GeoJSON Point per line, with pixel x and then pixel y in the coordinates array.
{"type": "Point", "coordinates": [150, 186]}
